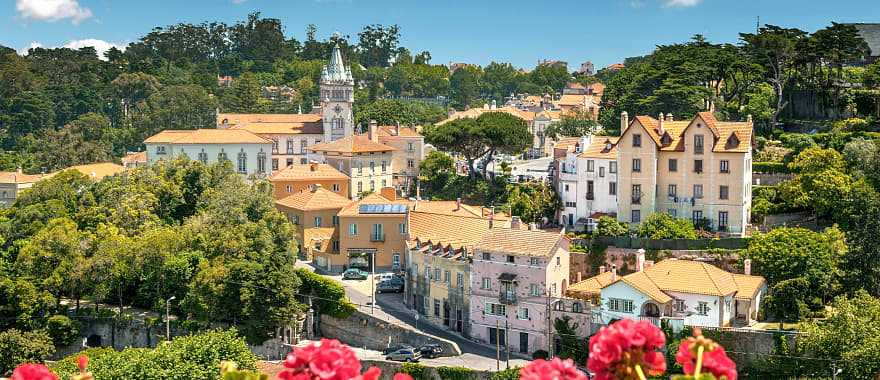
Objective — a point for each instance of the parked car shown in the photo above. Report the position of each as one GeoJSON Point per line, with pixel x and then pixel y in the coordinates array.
{"type": "Point", "coordinates": [394, 285]}
{"type": "Point", "coordinates": [405, 355]}
{"type": "Point", "coordinates": [396, 347]}
{"type": "Point", "coordinates": [354, 274]}
{"type": "Point", "coordinates": [379, 277]}
{"type": "Point", "coordinates": [431, 350]}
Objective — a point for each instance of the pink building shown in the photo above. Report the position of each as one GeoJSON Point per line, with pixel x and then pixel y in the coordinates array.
{"type": "Point", "coordinates": [515, 277]}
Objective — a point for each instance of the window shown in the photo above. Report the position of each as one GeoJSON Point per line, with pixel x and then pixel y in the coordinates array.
{"type": "Point", "coordinates": [601, 171]}
{"type": "Point", "coordinates": [636, 194]}
{"type": "Point", "coordinates": [724, 166]}
{"type": "Point", "coordinates": [274, 146]}
{"type": "Point", "coordinates": [335, 220]}
{"type": "Point", "coordinates": [274, 164]}
{"type": "Point", "coordinates": [698, 166]}
{"type": "Point", "coordinates": [511, 259]}
{"type": "Point", "coordinates": [696, 217]}
{"type": "Point", "coordinates": [415, 269]}
{"type": "Point", "coordinates": [372, 167]}
{"type": "Point", "coordinates": [242, 162]}
{"type": "Point", "coordinates": [571, 204]}
{"type": "Point", "coordinates": [576, 307]}
{"type": "Point", "coordinates": [673, 165]}
{"type": "Point", "coordinates": [679, 306]}
{"type": "Point", "coordinates": [302, 146]}
{"type": "Point", "coordinates": [384, 183]}
{"type": "Point", "coordinates": [353, 229]}
{"type": "Point", "coordinates": [289, 146]}
{"type": "Point", "coordinates": [372, 185]}
{"type": "Point", "coordinates": [523, 313]}
{"type": "Point", "coordinates": [335, 245]}
{"type": "Point", "coordinates": [486, 284]}
{"type": "Point", "coordinates": [637, 165]}
{"type": "Point", "coordinates": [591, 166]}
{"type": "Point", "coordinates": [672, 212]}
{"type": "Point", "coordinates": [447, 277]}
{"type": "Point", "coordinates": [203, 157]}
{"type": "Point", "coordinates": [384, 166]}
{"type": "Point", "coordinates": [395, 260]}
{"type": "Point", "coordinates": [620, 305]}
{"type": "Point", "coordinates": [459, 280]}
{"type": "Point", "coordinates": [698, 144]}
{"type": "Point", "coordinates": [428, 272]}
{"type": "Point", "coordinates": [636, 216]}
{"type": "Point", "coordinates": [487, 256]}
{"type": "Point", "coordinates": [360, 187]}
{"type": "Point", "coordinates": [558, 262]}
{"type": "Point", "coordinates": [377, 233]}
{"type": "Point", "coordinates": [673, 190]}
{"type": "Point", "coordinates": [360, 166]}
{"type": "Point", "coordinates": [317, 245]}
{"type": "Point", "coordinates": [160, 150]}
{"type": "Point", "coordinates": [698, 191]}
{"type": "Point", "coordinates": [436, 308]}
{"type": "Point", "coordinates": [534, 261]}
{"type": "Point", "coordinates": [637, 140]}
{"type": "Point", "coordinates": [612, 188]}
{"type": "Point", "coordinates": [703, 308]}
{"type": "Point", "coordinates": [722, 220]}
{"type": "Point", "coordinates": [401, 228]}
{"type": "Point", "coordinates": [335, 187]}
{"type": "Point", "coordinates": [410, 163]}
{"type": "Point", "coordinates": [222, 156]}
{"type": "Point", "coordinates": [723, 192]}
{"type": "Point", "coordinates": [559, 306]}
{"type": "Point", "coordinates": [533, 290]}
{"type": "Point", "coordinates": [437, 274]}
{"type": "Point", "coordinates": [553, 289]}
{"type": "Point", "coordinates": [317, 221]}
{"type": "Point", "coordinates": [293, 218]}
{"type": "Point", "coordinates": [496, 309]}
{"type": "Point", "coordinates": [409, 147]}
{"type": "Point", "coordinates": [288, 188]}
{"type": "Point", "coordinates": [590, 187]}
{"type": "Point", "coordinates": [566, 187]}
{"type": "Point", "coordinates": [289, 161]}
{"type": "Point", "coordinates": [612, 167]}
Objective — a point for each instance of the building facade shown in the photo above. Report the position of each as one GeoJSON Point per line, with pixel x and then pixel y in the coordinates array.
{"type": "Point", "coordinates": [699, 169]}
{"type": "Point", "coordinates": [537, 122]}
{"type": "Point", "coordinates": [515, 275]}
{"type": "Point", "coordinates": [291, 134]}
{"type": "Point", "coordinates": [314, 214]}
{"type": "Point", "coordinates": [296, 178]}
{"type": "Point", "coordinates": [368, 163]}
{"type": "Point", "coordinates": [587, 182]}
{"type": "Point", "coordinates": [12, 184]}
{"type": "Point", "coordinates": [248, 153]}
{"type": "Point", "coordinates": [373, 234]}
{"type": "Point", "coordinates": [409, 151]}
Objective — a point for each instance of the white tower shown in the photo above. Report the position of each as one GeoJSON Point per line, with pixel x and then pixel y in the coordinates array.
{"type": "Point", "coordinates": [337, 98]}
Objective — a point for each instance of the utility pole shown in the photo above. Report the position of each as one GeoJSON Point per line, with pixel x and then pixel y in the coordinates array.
{"type": "Point", "coordinates": [373, 282]}
{"type": "Point", "coordinates": [497, 346]}
{"type": "Point", "coordinates": [168, 318]}
{"type": "Point", "coordinates": [507, 341]}
{"type": "Point", "coordinates": [549, 336]}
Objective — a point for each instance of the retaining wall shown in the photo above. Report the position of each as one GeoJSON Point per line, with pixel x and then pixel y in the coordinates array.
{"type": "Point", "coordinates": [368, 332]}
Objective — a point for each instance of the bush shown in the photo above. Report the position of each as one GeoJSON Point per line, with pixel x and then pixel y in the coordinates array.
{"type": "Point", "coordinates": [609, 226]}
{"type": "Point", "coordinates": [417, 371]}
{"type": "Point", "coordinates": [329, 294]}
{"type": "Point", "coordinates": [455, 373]}
{"type": "Point", "coordinates": [770, 167]}
{"type": "Point", "coordinates": [663, 226]}
{"type": "Point", "coordinates": [507, 374]}
{"type": "Point", "coordinates": [787, 300]}
{"type": "Point", "coordinates": [540, 354]}
{"type": "Point", "coordinates": [62, 329]}
{"type": "Point", "coordinates": [194, 357]}
{"type": "Point", "coordinates": [18, 347]}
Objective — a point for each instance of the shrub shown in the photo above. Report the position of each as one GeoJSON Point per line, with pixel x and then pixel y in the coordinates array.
{"type": "Point", "coordinates": [194, 357]}
{"type": "Point", "coordinates": [329, 294]}
{"type": "Point", "coordinates": [507, 374]}
{"type": "Point", "coordinates": [455, 373]}
{"type": "Point", "coordinates": [540, 354]}
{"type": "Point", "coordinates": [770, 167]}
{"type": "Point", "coordinates": [663, 226]}
{"type": "Point", "coordinates": [18, 347]}
{"type": "Point", "coordinates": [417, 371]}
{"type": "Point", "coordinates": [609, 226]}
{"type": "Point", "coordinates": [62, 329]}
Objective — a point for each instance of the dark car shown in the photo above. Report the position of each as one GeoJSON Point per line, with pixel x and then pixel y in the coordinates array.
{"type": "Point", "coordinates": [394, 285]}
{"type": "Point", "coordinates": [431, 350]}
{"type": "Point", "coordinates": [396, 347]}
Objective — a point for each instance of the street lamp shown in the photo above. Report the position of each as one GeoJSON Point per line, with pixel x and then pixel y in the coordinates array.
{"type": "Point", "coordinates": [168, 318]}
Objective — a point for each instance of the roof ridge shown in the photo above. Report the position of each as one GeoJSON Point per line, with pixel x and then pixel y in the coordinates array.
{"type": "Point", "coordinates": [711, 278]}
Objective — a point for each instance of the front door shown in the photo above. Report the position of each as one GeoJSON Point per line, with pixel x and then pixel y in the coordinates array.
{"type": "Point", "coordinates": [446, 314]}
{"type": "Point", "coordinates": [524, 342]}
{"type": "Point", "coordinates": [458, 321]}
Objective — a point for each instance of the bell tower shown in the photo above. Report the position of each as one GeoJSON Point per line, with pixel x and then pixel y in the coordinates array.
{"type": "Point", "coordinates": [337, 98]}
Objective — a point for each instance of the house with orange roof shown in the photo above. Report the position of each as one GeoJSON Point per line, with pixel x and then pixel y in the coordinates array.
{"type": "Point", "coordinates": [587, 182]}
{"type": "Point", "coordinates": [13, 183]}
{"type": "Point", "coordinates": [681, 292]}
{"type": "Point", "coordinates": [699, 169]}
{"type": "Point", "coordinates": [368, 163]}
{"type": "Point", "coordinates": [296, 178]}
{"type": "Point", "coordinates": [291, 134]}
{"type": "Point", "coordinates": [249, 153]}
{"type": "Point", "coordinates": [98, 171]}
{"type": "Point", "coordinates": [133, 160]}
{"type": "Point", "coordinates": [314, 214]}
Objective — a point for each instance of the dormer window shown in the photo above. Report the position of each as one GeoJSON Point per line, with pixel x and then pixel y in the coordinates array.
{"type": "Point", "coordinates": [637, 140]}
{"type": "Point", "coordinates": [732, 141]}
{"type": "Point", "coordinates": [666, 140]}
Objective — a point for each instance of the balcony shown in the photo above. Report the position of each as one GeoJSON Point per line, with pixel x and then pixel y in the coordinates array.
{"type": "Point", "coordinates": [377, 237]}
{"type": "Point", "coordinates": [637, 199]}
{"type": "Point", "coordinates": [591, 196]}
{"type": "Point", "coordinates": [507, 297]}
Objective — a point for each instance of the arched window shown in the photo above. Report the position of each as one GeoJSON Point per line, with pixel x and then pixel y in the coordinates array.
{"type": "Point", "coordinates": [261, 161]}
{"type": "Point", "coordinates": [242, 162]}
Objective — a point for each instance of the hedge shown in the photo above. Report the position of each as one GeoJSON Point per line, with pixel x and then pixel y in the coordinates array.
{"type": "Point", "coordinates": [770, 167]}
{"type": "Point", "coordinates": [329, 295]}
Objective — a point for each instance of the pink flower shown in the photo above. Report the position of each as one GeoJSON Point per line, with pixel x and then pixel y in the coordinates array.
{"type": "Point", "coordinates": [556, 369]}
{"type": "Point", "coordinates": [82, 362]}
{"type": "Point", "coordinates": [33, 372]}
{"type": "Point", "coordinates": [715, 360]}
{"type": "Point", "coordinates": [617, 348]}
{"type": "Point", "coordinates": [402, 376]}
{"type": "Point", "coordinates": [325, 360]}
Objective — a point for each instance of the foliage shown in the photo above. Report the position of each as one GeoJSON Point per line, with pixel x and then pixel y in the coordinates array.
{"type": "Point", "coordinates": [572, 346]}
{"type": "Point", "coordinates": [329, 295]}
{"type": "Point", "coordinates": [572, 125]}
{"type": "Point", "coordinates": [770, 167]}
{"type": "Point", "coordinates": [417, 371]}
{"type": "Point", "coordinates": [62, 329]}
{"type": "Point", "coordinates": [455, 373]}
{"type": "Point", "coordinates": [506, 374]}
{"type": "Point", "coordinates": [788, 300]}
{"type": "Point", "coordinates": [392, 112]}
{"type": "Point", "coordinates": [609, 226]}
{"type": "Point", "coordinates": [23, 347]}
{"type": "Point", "coordinates": [190, 357]}
{"type": "Point", "coordinates": [533, 202]}
{"type": "Point", "coordinates": [663, 226]}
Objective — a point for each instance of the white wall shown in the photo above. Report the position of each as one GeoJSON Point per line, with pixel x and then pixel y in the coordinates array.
{"type": "Point", "coordinates": [213, 150]}
{"type": "Point", "coordinates": [714, 316]}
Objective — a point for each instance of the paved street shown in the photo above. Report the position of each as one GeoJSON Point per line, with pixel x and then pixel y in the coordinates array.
{"type": "Point", "coordinates": [536, 168]}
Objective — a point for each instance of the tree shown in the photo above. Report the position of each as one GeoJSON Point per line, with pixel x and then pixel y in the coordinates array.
{"type": "Point", "coordinates": [552, 77]}
{"type": "Point", "coordinates": [503, 133]}
{"type": "Point", "coordinates": [175, 107]}
{"type": "Point", "coordinates": [609, 226]}
{"type": "Point", "coordinates": [24, 305]}
{"type": "Point", "coordinates": [821, 173]}
{"type": "Point", "coordinates": [392, 112]}
{"type": "Point", "coordinates": [51, 254]}
{"type": "Point", "coordinates": [29, 112]}
{"type": "Point", "coordinates": [860, 265]}
{"type": "Point", "coordinates": [462, 136]}
{"type": "Point", "coordinates": [465, 85]}
{"type": "Point", "coordinates": [245, 96]}
{"type": "Point", "coordinates": [572, 347]}
{"type": "Point", "coordinates": [134, 88]}
{"type": "Point", "coordinates": [663, 226]}
{"type": "Point", "coordinates": [86, 140]}
{"type": "Point", "coordinates": [533, 202]}
{"type": "Point", "coordinates": [436, 171]}
{"type": "Point", "coordinates": [775, 49]}
{"type": "Point", "coordinates": [377, 44]}
{"type": "Point", "coordinates": [862, 157]}
{"type": "Point", "coordinates": [572, 125]}
{"type": "Point", "coordinates": [18, 347]}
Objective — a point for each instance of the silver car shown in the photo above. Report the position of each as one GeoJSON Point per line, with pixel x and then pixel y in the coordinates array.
{"type": "Point", "coordinates": [404, 355]}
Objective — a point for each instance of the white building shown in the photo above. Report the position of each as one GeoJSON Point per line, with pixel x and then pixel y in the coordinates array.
{"type": "Point", "coordinates": [588, 182]}
{"type": "Point", "coordinates": [682, 292]}
{"type": "Point", "coordinates": [250, 154]}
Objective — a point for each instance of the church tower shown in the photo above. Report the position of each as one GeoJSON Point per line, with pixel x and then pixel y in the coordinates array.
{"type": "Point", "coordinates": [337, 98]}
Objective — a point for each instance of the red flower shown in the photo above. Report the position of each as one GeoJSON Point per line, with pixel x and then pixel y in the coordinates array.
{"type": "Point", "coordinates": [325, 360]}
{"type": "Point", "coordinates": [556, 369]}
{"type": "Point", "coordinates": [402, 376]}
{"type": "Point", "coordinates": [715, 360]}
{"type": "Point", "coordinates": [617, 348]}
{"type": "Point", "coordinates": [33, 372]}
{"type": "Point", "coordinates": [82, 362]}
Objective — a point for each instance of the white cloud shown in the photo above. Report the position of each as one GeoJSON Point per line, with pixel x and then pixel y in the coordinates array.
{"type": "Point", "coordinates": [100, 46]}
{"type": "Point", "coordinates": [52, 10]}
{"type": "Point", "coordinates": [32, 45]}
{"type": "Point", "coordinates": [681, 3]}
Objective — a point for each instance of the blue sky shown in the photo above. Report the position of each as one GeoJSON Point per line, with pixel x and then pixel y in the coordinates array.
{"type": "Point", "coordinates": [520, 32]}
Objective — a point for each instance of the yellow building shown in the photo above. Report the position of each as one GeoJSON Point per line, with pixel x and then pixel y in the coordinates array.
{"type": "Point", "coordinates": [363, 158]}
{"type": "Point", "coordinates": [409, 151]}
{"type": "Point", "coordinates": [296, 178]}
{"type": "Point", "coordinates": [372, 233]}
{"type": "Point", "coordinates": [699, 169]}
{"type": "Point", "coordinates": [314, 214]}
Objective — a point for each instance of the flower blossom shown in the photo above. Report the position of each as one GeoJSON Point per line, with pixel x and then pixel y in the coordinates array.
{"type": "Point", "coordinates": [325, 360]}
{"type": "Point", "coordinates": [620, 350]}
{"type": "Point", "coordinates": [33, 372]}
{"type": "Point", "coordinates": [556, 369]}
{"type": "Point", "coordinates": [715, 360]}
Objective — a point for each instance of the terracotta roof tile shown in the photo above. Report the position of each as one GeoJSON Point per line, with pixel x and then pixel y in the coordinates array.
{"type": "Point", "coordinates": [16, 177]}
{"type": "Point", "coordinates": [317, 199]}
{"type": "Point", "coordinates": [312, 171]}
{"type": "Point", "coordinates": [474, 113]}
{"type": "Point", "coordinates": [352, 144]}
{"type": "Point", "coordinates": [590, 287]}
{"type": "Point", "coordinates": [748, 286]}
{"type": "Point", "coordinates": [207, 136]}
{"type": "Point", "coordinates": [446, 230]}
{"type": "Point", "coordinates": [390, 131]}
{"type": "Point", "coordinates": [522, 242]}
{"type": "Point", "coordinates": [135, 157]}
{"type": "Point", "coordinates": [167, 136]}
{"type": "Point", "coordinates": [99, 170]}
{"type": "Point", "coordinates": [599, 149]}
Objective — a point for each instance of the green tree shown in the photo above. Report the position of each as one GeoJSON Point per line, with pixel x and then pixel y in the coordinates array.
{"type": "Point", "coordinates": [572, 125]}
{"type": "Point", "coordinates": [465, 84]}
{"type": "Point", "coordinates": [24, 305]}
{"type": "Point", "coordinates": [775, 49]}
{"type": "Point", "coordinates": [175, 107]}
{"type": "Point", "coordinates": [18, 347]}
{"type": "Point", "coordinates": [436, 172]}
{"type": "Point", "coordinates": [609, 226]}
{"type": "Point", "coordinates": [552, 77]}
{"type": "Point", "coordinates": [663, 226]}
{"type": "Point", "coordinates": [377, 43]}
{"type": "Point", "coordinates": [533, 202]}
{"type": "Point", "coordinates": [245, 96]}
{"type": "Point", "coordinates": [392, 112]}
{"type": "Point", "coordinates": [821, 173]}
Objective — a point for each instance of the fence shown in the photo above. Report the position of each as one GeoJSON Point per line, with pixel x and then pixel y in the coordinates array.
{"type": "Point", "coordinates": [672, 244]}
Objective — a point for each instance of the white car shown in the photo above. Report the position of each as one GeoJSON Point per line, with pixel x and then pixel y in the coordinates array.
{"type": "Point", "coordinates": [379, 277]}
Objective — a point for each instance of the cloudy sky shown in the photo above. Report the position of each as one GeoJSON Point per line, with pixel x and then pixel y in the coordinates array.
{"type": "Point", "coordinates": [521, 32]}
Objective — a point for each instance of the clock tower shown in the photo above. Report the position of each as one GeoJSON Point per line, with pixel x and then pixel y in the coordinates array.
{"type": "Point", "coordinates": [337, 98]}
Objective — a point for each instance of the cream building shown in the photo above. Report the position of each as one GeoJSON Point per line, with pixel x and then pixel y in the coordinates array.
{"type": "Point", "coordinates": [699, 169]}
{"type": "Point", "coordinates": [367, 162]}
{"type": "Point", "coordinates": [409, 151]}
{"type": "Point", "coordinates": [314, 213]}
{"type": "Point", "coordinates": [296, 178]}
{"type": "Point", "coordinates": [249, 154]}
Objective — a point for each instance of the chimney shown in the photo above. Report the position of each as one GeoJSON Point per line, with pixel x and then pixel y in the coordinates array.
{"type": "Point", "coordinates": [313, 166]}
{"type": "Point", "coordinates": [624, 121]}
{"type": "Point", "coordinates": [669, 117]}
{"type": "Point", "coordinates": [485, 106]}
{"type": "Point", "coordinates": [601, 269]}
{"type": "Point", "coordinates": [457, 204]}
{"type": "Point", "coordinates": [388, 193]}
{"type": "Point", "coordinates": [514, 222]}
{"type": "Point", "coordinates": [372, 133]}
{"type": "Point", "coordinates": [749, 119]}
{"type": "Point", "coordinates": [660, 124]}
{"type": "Point", "coordinates": [747, 266]}
{"type": "Point", "coordinates": [494, 105]}
{"type": "Point", "coordinates": [613, 272]}
{"type": "Point", "coordinates": [579, 279]}
{"type": "Point", "coordinates": [491, 218]}
{"type": "Point", "coordinates": [397, 129]}
{"type": "Point", "coordinates": [18, 170]}
{"type": "Point", "coordinates": [640, 260]}
{"type": "Point", "coordinates": [533, 226]}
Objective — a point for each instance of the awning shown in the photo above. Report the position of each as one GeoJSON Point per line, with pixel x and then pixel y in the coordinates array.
{"type": "Point", "coordinates": [507, 277]}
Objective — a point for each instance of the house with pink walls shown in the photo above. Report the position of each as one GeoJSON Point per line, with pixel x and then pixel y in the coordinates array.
{"type": "Point", "coordinates": [517, 277]}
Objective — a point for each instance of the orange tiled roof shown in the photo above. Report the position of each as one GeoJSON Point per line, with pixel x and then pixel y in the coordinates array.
{"type": "Point", "coordinates": [591, 286]}
{"type": "Point", "coordinates": [522, 242]}
{"type": "Point", "coordinates": [474, 113]}
{"type": "Point", "coordinates": [16, 177]}
{"type": "Point", "coordinates": [390, 131]}
{"type": "Point", "coordinates": [447, 230]}
{"type": "Point", "coordinates": [598, 88]}
{"type": "Point", "coordinates": [575, 100]}
{"type": "Point", "coordinates": [273, 123]}
{"type": "Point", "coordinates": [312, 171]}
{"type": "Point", "coordinates": [207, 136]}
{"type": "Point", "coordinates": [352, 144]}
{"type": "Point", "coordinates": [317, 199]}
{"type": "Point", "coordinates": [99, 170]}
{"type": "Point", "coordinates": [134, 157]}
{"type": "Point", "coordinates": [721, 131]}
{"type": "Point", "coordinates": [598, 148]}
{"type": "Point", "coordinates": [567, 143]}
{"type": "Point", "coordinates": [352, 209]}
{"type": "Point", "coordinates": [748, 286]}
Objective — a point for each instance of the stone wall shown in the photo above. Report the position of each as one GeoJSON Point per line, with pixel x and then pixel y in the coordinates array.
{"type": "Point", "coordinates": [770, 179]}
{"type": "Point", "coordinates": [366, 331]}
{"type": "Point", "coordinates": [388, 368]}
{"type": "Point", "coordinates": [744, 346]}
{"type": "Point", "coordinates": [625, 258]}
